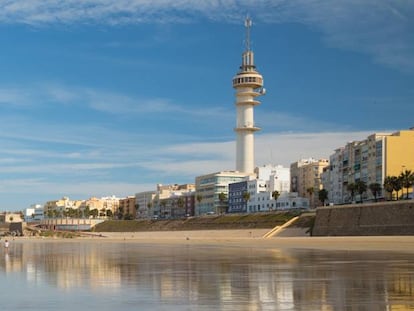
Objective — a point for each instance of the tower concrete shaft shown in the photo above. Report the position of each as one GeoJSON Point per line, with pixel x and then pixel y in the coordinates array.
{"type": "Point", "coordinates": [248, 84]}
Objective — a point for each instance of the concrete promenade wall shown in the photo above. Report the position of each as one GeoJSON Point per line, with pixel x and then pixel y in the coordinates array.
{"type": "Point", "coordinates": [385, 218]}
{"type": "Point", "coordinates": [70, 224]}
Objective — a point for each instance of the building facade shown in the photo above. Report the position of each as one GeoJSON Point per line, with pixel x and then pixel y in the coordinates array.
{"type": "Point", "coordinates": [127, 208]}
{"type": "Point", "coordinates": [371, 161]}
{"type": "Point", "coordinates": [306, 178]}
{"type": "Point", "coordinates": [210, 187]}
{"type": "Point", "coordinates": [238, 197]}
{"type": "Point", "coordinates": [145, 204]}
{"type": "Point", "coordinates": [277, 177]}
{"type": "Point", "coordinates": [34, 213]}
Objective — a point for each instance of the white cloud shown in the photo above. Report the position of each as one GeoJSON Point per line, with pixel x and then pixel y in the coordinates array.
{"type": "Point", "coordinates": [380, 28]}
{"type": "Point", "coordinates": [73, 190]}
{"type": "Point", "coordinates": [283, 149]}
{"type": "Point", "coordinates": [175, 163]}
{"type": "Point", "coordinates": [286, 148]}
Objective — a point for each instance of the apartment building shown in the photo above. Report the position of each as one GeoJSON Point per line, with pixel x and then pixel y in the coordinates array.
{"type": "Point", "coordinates": [127, 208]}
{"type": "Point", "coordinates": [210, 186]}
{"type": "Point", "coordinates": [171, 201]}
{"type": "Point", "coordinates": [57, 208]}
{"type": "Point", "coordinates": [145, 204]}
{"type": "Point", "coordinates": [277, 177]}
{"type": "Point", "coordinates": [256, 196]}
{"type": "Point", "coordinates": [306, 179]}
{"type": "Point", "coordinates": [371, 161]}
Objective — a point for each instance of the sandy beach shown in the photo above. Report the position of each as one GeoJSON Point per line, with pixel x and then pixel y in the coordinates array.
{"type": "Point", "coordinates": [250, 239]}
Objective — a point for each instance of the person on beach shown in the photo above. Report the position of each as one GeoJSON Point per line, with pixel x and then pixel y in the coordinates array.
{"type": "Point", "coordinates": [6, 246]}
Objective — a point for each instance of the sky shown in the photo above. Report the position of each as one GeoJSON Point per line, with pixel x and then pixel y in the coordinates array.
{"type": "Point", "coordinates": [111, 97]}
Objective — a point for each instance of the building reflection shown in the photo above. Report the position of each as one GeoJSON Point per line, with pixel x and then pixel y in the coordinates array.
{"type": "Point", "coordinates": [221, 278]}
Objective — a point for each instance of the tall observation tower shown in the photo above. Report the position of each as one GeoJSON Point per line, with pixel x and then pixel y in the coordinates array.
{"type": "Point", "coordinates": [248, 84]}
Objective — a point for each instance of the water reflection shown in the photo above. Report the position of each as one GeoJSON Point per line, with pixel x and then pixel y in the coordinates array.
{"type": "Point", "coordinates": [126, 275]}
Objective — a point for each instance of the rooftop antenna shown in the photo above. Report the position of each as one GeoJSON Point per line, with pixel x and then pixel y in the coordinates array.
{"type": "Point", "coordinates": [248, 24]}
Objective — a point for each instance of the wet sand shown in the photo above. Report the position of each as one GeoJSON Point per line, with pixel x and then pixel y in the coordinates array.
{"type": "Point", "coordinates": [253, 239]}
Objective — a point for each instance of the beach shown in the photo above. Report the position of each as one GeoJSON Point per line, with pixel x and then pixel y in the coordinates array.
{"type": "Point", "coordinates": [248, 238]}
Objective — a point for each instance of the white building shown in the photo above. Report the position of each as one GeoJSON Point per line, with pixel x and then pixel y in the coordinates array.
{"type": "Point", "coordinates": [210, 186]}
{"type": "Point", "coordinates": [261, 199]}
{"type": "Point", "coordinates": [34, 213]}
{"type": "Point", "coordinates": [144, 203]}
{"type": "Point", "coordinates": [277, 177]}
{"type": "Point", "coordinates": [255, 195]}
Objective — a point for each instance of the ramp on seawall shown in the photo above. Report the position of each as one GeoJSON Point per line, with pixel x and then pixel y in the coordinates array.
{"type": "Point", "coordinates": [385, 218]}
{"type": "Point", "coordinates": [277, 229]}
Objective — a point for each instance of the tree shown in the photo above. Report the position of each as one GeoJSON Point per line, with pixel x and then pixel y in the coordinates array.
{"type": "Point", "coordinates": [86, 212]}
{"type": "Point", "coordinates": [388, 186]}
{"type": "Point", "coordinates": [246, 196]}
{"type": "Point", "coordinates": [361, 188]}
{"type": "Point", "coordinates": [199, 198]}
{"type": "Point", "coordinates": [351, 187]}
{"type": "Point", "coordinates": [180, 202]}
{"type": "Point", "coordinates": [310, 191]}
{"type": "Point", "coordinates": [163, 204]}
{"type": "Point", "coordinates": [120, 212]}
{"type": "Point", "coordinates": [102, 212]}
{"type": "Point", "coordinates": [396, 184]}
{"type": "Point", "coordinates": [275, 196]}
{"type": "Point", "coordinates": [222, 198]}
{"type": "Point", "coordinates": [323, 195]}
{"type": "Point", "coordinates": [94, 212]}
{"type": "Point", "coordinates": [407, 180]}
{"type": "Point", "coordinates": [375, 189]}
{"type": "Point", "coordinates": [129, 217]}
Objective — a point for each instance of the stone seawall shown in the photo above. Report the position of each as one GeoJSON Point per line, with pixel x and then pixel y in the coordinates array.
{"type": "Point", "coordinates": [386, 218]}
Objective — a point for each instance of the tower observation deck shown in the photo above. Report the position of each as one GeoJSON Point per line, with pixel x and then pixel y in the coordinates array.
{"type": "Point", "coordinates": [248, 84]}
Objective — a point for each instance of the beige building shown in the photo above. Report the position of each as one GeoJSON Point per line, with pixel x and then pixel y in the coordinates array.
{"type": "Point", "coordinates": [306, 178]}
{"type": "Point", "coordinates": [58, 208]}
{"type": "Point", "coordinates": [92, 207]}
{"type": "Point", "coordinates": [370, 160]}
{"type": "Point", "coordinates": [101, 207]}
{"type": "Point", "coordinates": [9, 217]}
{"type": "Point", "coordinates": [127, 209]}
{"type": "Point", "coordinates": [170, 201]}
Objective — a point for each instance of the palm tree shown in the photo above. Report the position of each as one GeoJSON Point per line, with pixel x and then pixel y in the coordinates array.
{"type": "Point", "coordinates": [199, 198]}
{"type": "Point", "coordinates": [222, 198]}
{"type": "Point", "coordinates": [246, 197]}
{"type": "Point", "coordinates": [310, 191]}
{"type": "Point", "coordinates": [351, 187]}
{"type": "Point", "coordinates": [322, 195]}
{"type": "Point", "coordinates": [94, 213]}
{"type": "Point", "coordinates": [361, 187]}
{"type": "Point", "coordinates": [86, 212]}
{"type": "Point", "coordinates": [375, 188]}
{"type": "Point", "coordinates": [407, 180]}
{"type": "Point", "coordinates": [396, 184]}
{"type": "Point", "coordinates": [163, 204]}
{"type": "Point", "coordinates": [275, 196]}
{"type": "Point", "coordinates": [388, 185]}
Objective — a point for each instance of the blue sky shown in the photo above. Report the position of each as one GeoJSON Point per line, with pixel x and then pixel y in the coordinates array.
{"type": "Point", "coordinates": [112, 97]}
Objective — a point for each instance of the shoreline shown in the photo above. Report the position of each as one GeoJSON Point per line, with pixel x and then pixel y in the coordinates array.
{"type": "Point", "coordinates": [244, 238]}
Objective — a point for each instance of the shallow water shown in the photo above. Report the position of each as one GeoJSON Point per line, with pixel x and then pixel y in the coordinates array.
{"type": "Point", "coordinates": [88, 275]}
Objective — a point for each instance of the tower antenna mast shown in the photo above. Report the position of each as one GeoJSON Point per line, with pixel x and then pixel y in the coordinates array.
{"type": "Point", "coordinates": [248, 24]}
